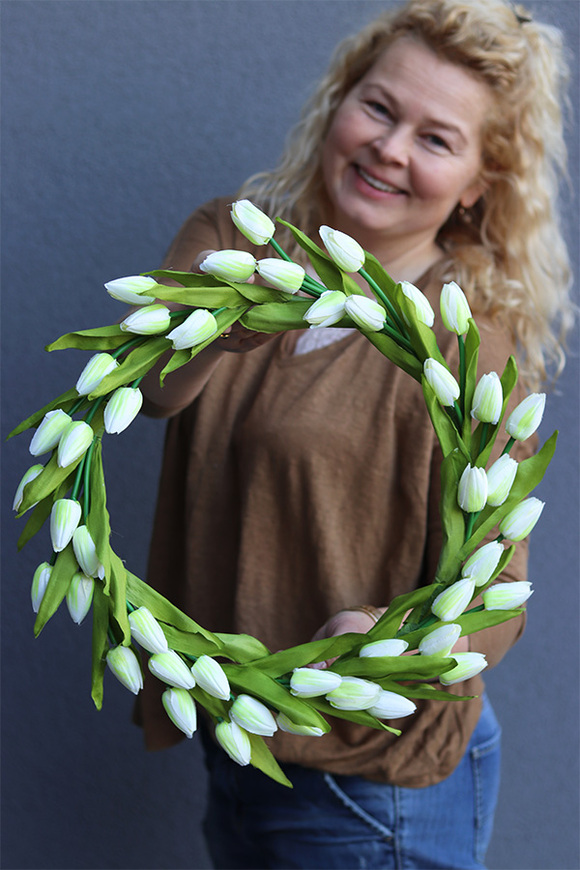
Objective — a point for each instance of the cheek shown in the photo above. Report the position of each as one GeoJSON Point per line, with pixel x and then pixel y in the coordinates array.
{"type": "Point", "coordinates": [343, 136]}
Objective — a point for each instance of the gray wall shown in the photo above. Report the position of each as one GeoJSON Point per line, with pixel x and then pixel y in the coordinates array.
{"type": "Point", "coordinates": [118, 119]}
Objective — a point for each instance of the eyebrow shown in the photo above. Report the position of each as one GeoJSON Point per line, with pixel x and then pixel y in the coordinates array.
{"type": "Point", "coordinates": [443, 125]}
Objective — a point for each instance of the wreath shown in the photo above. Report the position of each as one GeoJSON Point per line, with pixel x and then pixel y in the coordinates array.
{"type": "Point", "coordinates": [248, 692]}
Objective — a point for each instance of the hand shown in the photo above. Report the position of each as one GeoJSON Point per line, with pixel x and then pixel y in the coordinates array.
{"type": "Point", "coordinates": [235, 338]}
{"type": "Point", "coordinates": [341, 623]}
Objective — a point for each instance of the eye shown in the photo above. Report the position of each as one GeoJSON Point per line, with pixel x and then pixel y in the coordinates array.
{"type": "Point", "coordinates": [436, 141]}
{"type": "Point", "coordinates": [378, 108]}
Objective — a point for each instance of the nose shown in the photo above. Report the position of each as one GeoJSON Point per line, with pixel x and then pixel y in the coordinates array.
{"type": "Point", "coordinates": [393, 146]}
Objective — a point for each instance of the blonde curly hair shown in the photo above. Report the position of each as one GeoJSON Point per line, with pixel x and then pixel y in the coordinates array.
{"type": "Point", "coordinates": [507, 252]}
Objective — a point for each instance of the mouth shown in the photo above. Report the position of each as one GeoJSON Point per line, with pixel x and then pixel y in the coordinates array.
{"type": "Point", "coordinates": [375, 183]}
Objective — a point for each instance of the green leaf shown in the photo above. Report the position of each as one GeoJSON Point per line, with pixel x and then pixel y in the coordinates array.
{"type": "Point", "coordinates": [445, 429]}
{"type": "Point", "coordinates": [247, 678]}
{"type": "Point", "coordinates": [181, 357]}
{"type": "Point", "coordinates": [472, 342]}
{"type": "Point", "coordinates": [36, 520]}
{"type": "Point", "coordinates": [52, 478]}
{"type": "Point", "coordinates": [118, 596]}
{"type": "Point", "coordinates": [140, 594]}
{"type": "Point", "coordinates": [326, 269]}
{"type": "Point", "coordinates": [421, 336]}
{"type": "Point", "coordinates": [97, 519]}
{"type": "Point", "coordinates": [136, 364]}
{"type": "Point", "coordinates": [452, 519]}
{"type": "Point", "coordinates": [190, 644]}
{"type": "Point", "coordinates": [359, 717]}
{"type": "Point", "coordinates": [100, 644]}
{"type": "Point", "coordinates": [64, 401]}
{"type": "Point", "coordinates": [207, 291]}
{"type": "Point", "coordinates": [101, 338]}
{"type": "Point", "coordinates": [423, 691]}
{"type": "Point", "coordinates": [381, 276]}
{"type": "Point", "coordinates": [414, 667]}
{"type": "Point", "coordinates": [61, 575]}
{"type": "Point", "coordinates": [299, 656]}
{"type": "Point", "coordinates": [398, 355]}
{"type": "Point", "coordinates": [263, 759]}
{"type": "Point", "coordinates": [241, 647]}
{"type": "Point", "coordinates": [389, 623]}
{"type": "Point", "coordinates": [277, 316]}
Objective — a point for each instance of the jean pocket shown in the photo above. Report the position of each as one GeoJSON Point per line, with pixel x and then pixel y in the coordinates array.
{"type": "Point", "coordinates": [485, 765]}
{"type": "Point", "coordinates": [364, 799]}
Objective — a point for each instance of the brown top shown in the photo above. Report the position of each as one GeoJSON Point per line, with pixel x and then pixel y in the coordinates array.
{"type": "Point", "coordinates": [299, 485]}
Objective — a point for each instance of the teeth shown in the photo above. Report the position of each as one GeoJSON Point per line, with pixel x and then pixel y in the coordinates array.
{"type": "Point", "coordinates": [378, 185]}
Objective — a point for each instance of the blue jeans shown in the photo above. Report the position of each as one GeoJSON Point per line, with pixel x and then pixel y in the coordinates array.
{"type": "Point", "coordinates": [348, 822]}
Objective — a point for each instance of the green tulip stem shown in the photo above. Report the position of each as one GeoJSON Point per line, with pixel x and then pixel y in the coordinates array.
{"type": "Point", "coordinates": [396, 336]}
{"type": "Point", "coordinates": [309, 285]}
{"type": "Point", "coordinates": [126, 345]}
{"type": "Point", "coordinates": [462, 375]}
{"type": "Point", "coordinates": [387, 302]}
{"type": "Point", "coordinates": [508, 446]}
{"type": "Point", "coordinates": [86, 464]}
{"type": "Point", "coordinates": [471, 518]}
{"type": "Point", "coordinates": [483, 439]}
{"type": "Point", "coordinates": [282, 253]}
{"type": "Point", "coordinates": [459, 414]}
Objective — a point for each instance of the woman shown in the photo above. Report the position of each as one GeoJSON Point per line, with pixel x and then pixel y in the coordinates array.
{"type": "Point", "coordinates": [300, 483]}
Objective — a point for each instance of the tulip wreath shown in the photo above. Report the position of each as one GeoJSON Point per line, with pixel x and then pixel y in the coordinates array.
{"type": "Point", "coordinates": [248, 692]}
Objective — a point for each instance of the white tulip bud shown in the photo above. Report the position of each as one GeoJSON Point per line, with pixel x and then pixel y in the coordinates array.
{"type": "Point", "coordinates": [440, 641]}
{"type": "Point", "coordinates": [481, 564]}
{"type": "Point", "coordinates": [171, 669]}
{"type": "Point", "coordinates": [122, 408]}
{"type": "Point", "coordinates": [391, 705]}
{"type": "Point", "coordinates": [391, 646]}
{"type": "Point", "coordinates": [286, 724]}
{"type": "Point", "coordinates": [79, 596]}
{"type": "Point", "coordinates": [423, 310]}
{"type": "Point", "coordinates": [230, 265]}
{"type": "Point", "coordinates": [130, 289]}
{"type": "Point", "coordinates": [210, 676]}
{"type": "Point", "coordinates": [500, 478]}
{"type": "Point", "coordinates": [253, 716]}
{"type": "Point", "coordinates": [472, 490]}
{"type": "Point", "coordinates": [468, 665]}
{"type": "Point", "coordinates": [441, 381]}
{"type": "Point", "coordinates": [455, 310]}
{"type": "Point", "coordinates": [487, 399]}
{"type": "Point", "coordinates": [64, 518]}
{"type": "Point", "coordinates": [97, 368]}
{"type": "Point", "coordinates": [252, 222]}
{"type": "Point", "coordinates": [28, 476]}
{"type": "Point", "coordinates": [328, 309]}
{"type": "Point", "coordinates": [39, 584]}
{"type": "Point", "coordinates": [366, 313]}
{"type": "Point", "coordinates": [354, 694]}
{"type": "Point", "coordinates": [526, 417]}
{"type": "Point", "coordinates": [74, 442]}
{"type": "Point", "coordinates": [520, 521]}
{"type": "Point", "coordinates": [195, 329]}
{"type": "Point", "coordinates": [281, 274]}
{"type": "Point", "coordinates": [344, 250]}
{"type": "Point", "coordinates": [48, 433]}
{"type": "Point", "coordinates": [149, 320]}
{"type": "Point", "coordinates": [235, 741]}
{"type": "Point", "coordinates": [147, 632]}
{"type": "Point", "coordinates": [180, 707]}
{"type": "Point", "coordinates": [125, 665]}
{"type": "Point", "coordinates": [506, 596]}
{"type": "Point", "coordinates": [86, 553]}
{"type": "Point", "coordinates": [311, 682]}
{"type": "Point", "coordinates": [451, 603]}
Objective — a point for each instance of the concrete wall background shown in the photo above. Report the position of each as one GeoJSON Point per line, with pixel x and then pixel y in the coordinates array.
{"type": "Point", "coordinates": [118, 119]}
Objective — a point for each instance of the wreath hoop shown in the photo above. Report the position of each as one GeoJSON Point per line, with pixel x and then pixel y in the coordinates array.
{"type": "Point", "coordinates": [249, 692]}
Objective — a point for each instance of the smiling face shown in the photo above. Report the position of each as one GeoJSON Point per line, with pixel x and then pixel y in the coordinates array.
{"type": "Point", "coordinates": [403, 149]}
